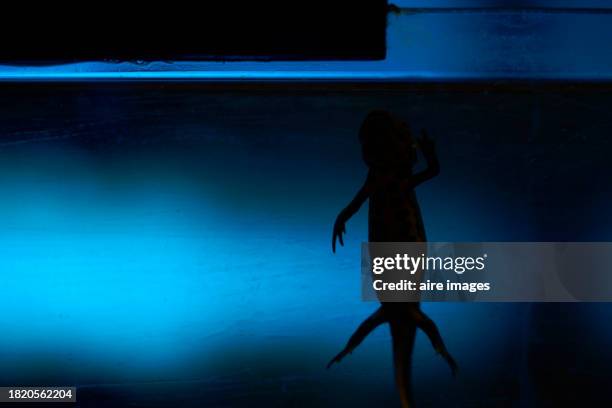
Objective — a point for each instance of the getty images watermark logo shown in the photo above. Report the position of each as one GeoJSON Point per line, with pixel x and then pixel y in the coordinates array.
{"type": "Point", "coordinates": [487, 271]}
{"type": "Point", "coordinates": [416, 266]}
{"type": "Point", "coordinates": [412, 264]}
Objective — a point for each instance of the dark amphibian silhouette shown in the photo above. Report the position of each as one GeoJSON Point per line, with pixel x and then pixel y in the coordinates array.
{"type": "Point", "coordinates": [390, 153]}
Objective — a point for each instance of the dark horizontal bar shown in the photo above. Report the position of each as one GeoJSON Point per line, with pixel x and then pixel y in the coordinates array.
{"type": "Point", "coordinates": [182, 30]}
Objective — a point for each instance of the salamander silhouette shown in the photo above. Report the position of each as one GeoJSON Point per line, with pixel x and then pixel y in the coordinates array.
{"type": "Point", "coordinates": [394, 215]}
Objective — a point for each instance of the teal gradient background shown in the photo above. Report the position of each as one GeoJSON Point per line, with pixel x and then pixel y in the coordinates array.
{"type": "Point", "coordinates": [159, 239]}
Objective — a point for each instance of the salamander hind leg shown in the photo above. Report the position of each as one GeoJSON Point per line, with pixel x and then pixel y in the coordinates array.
{"type": "Point", "coordinates": [431, 330]}
{"type": "Point", "coordinates": [376, 319]}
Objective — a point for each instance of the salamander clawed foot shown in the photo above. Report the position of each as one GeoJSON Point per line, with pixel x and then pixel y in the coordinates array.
{"type": "Point", "coordinates": [336, 359]}
{"type": "Point", "coordinates": [451, 363]}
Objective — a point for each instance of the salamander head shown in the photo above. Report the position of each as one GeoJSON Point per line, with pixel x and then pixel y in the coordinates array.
{"type": "Point", "coordinates": [387, 142]}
